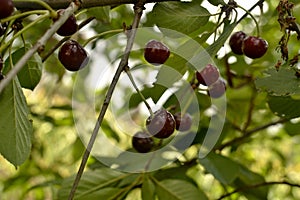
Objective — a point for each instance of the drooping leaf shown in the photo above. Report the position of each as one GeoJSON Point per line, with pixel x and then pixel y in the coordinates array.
{"type": "Point", "coordinates": [286, 107]}
{"type": "Point", "coordinates": [30, 75]}
{"type": "Point", "coordinates": [279, 83]}
{"type": "Point", "coordinates": [223, 168]}
{"type": "Point", "coordinates": [96, 184]}
{"type": "Point", "coordinates": [178, 190]}
{"type": "Point", "coordinates": [184, 17]}
{"type": "Point", "coordinates": [15, 126]}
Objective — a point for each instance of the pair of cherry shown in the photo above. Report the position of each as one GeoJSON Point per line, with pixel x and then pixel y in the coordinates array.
{"type": "Point", "coordinates": [161, 125]}
{"type": "Point", "coordinates": [251, 46]}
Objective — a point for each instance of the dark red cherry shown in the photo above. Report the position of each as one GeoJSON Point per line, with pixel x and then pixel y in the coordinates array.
{"type": "Point", "coordinates": [6, 8]}
{"type": "Point", "coordinates": [183, 122]}
{"type": "Point", "coordinates": [209, 75]}
{"type": "Point", "coordinates": [254, 47]}
{"type": "Point", "coordinates": [69, 27]}
{"type": "Point", "coordinates": [162, 124]}
{"type": "Point", "coordinates": [236, 41]}
{"type": "Point", "coordinates": [73, 56]}
{"type": "Point", "coordinates": [217, 89]}
{"type": "Point", "coordinates": [141, 142]}
{"type": "Point", "coordinates": [156, 52]}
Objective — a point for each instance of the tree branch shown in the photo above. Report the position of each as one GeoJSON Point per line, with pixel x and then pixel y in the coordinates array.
{"type": "Point", "coordinates": [56, 4]}
{"type": "Point", "coordinates": [258, 185]}
{"type": "Point", "coordinates": [138, 9]}
{"type": "Point", "coordinates": [39, 45]}
{"type": "Point", "coordinates": [247, 134]}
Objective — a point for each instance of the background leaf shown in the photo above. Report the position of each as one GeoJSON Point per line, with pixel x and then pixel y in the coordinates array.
{"type": "Point", "coordinates": [93, 183]}
{"type": "Point", "coordinates": [279, 83]}
{"type": "Point", "coordinates": [178, 190]}
{"type": "Point", "coordinates": [286, 107]}
{"type": "Point", "coordinates": [223, 169]}
{"type": "Point", "coordinates": [15, 126]}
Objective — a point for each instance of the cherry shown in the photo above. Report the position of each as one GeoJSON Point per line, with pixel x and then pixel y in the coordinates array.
{"type": "Point", "coordinates": [254, 47]}
{"type": "Point", "coordinates": [236, 41]}
{"type": "Point", "coordinates": [156, 52]}
{"type": "Point", "coordinates": [209, 75]}
{"type": "Point", "coordinates": [217, 89]}
{"type": "Point", "coordinates": [73, 56]}
{"type": "Point", "coordinates": [183, 122]}
{"type": "Point", "coordinates": [69, 27]}
{"type": "Point", "coordinates": [141, 142]}
{"type": "Point", "coordinates": [161, 124]}
{"type": "Point", "coordinates": [6, 8]}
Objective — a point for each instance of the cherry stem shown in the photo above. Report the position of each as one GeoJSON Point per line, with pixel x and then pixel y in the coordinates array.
{"type": "Point", "coordinates": [43, 4]}
{"type": "Point", "coordinates": [24, 14]}
{"type": "Point", "coordinates": [127, 70]}
{"type": "Point", "coordinates": [7, 44]}
{"type": "Point", "coordinates": [253, 18]}
{"type": "Point", "coordinates": [101, 34]}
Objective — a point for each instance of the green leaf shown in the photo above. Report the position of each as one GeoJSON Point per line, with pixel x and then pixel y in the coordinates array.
{"type": "Point", "coordinates": [247, 177]}
{"type": "Point", "coordinates": [100, 13]}
{"type": "Point", "coordinates": [93, 183]}
{"type": "Point", "coordinates": [105, 193]}
{"type": "Point", "coordinates": [223, 168]}
{"type": "Point", "coordinates": [217, 2]}
{"type": "Point", "coordinates": [286, 107]}
{"type": "Point", "coordinates": [178, 190]}
{"type": "Point", "coordinates": [279, 83]}
{"type": "Point", "coordinates": [15, 127]}
{"type": "Point", "coordinates": [184, 17]}
{"type": "Point", "coordinates": [30, 75]}
{"type": "Point", "coordinates": [148, 190]}
{"type": "Point", "coordinates": [174, 173]}
{"type": "Point", "coordinates": [292, 128]}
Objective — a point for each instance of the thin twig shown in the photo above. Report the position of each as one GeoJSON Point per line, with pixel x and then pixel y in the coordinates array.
{"type": "Point", "coordinates": [138, 9]}
{"type": "Point", "coordinates": [39, 45]}
{"type": "Point", "coordinates": [247, 134]}
{"type": "Point", "coordinates": [250, 111]}
{"type": "Point", "coordinates": [258, 185]}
